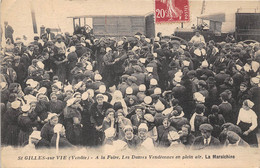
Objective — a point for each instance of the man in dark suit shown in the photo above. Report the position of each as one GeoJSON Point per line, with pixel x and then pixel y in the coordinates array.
{"type": "Point", "coordinates": [9, 32]}
{"type": "Point", "coordinates": [206, 141]}
{"type": "Point", "coordinates": [98, 110]}
{"type": "Point", "coordinates": [137, 118]}
{"type": "Point", "coordinates": [49, 35]}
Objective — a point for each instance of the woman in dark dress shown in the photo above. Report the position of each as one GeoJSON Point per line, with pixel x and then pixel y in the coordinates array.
{"type": "Point", "coordinates": [87, 128]}
{"type": "Point", "coordinates": [59, 139]}
{"type": "Point", "coordinates": [56, 106]}
{"type": "Point", "coordinates": [11, 118]}
{"type": "Point", "coordinates": [26, 125]}
{"type": "Point", "coordinates": [47, 129]}
{"type": "Point", "coordinates": [163, 131]}
{"type": "Point", "coordinates": [60, 60]}
{"type": "Point", "coordinates": [72, 119]}
{"type": "Point", "coordinates": [133, 141]}
{"type": "Point", "coordinates": [216, 120]}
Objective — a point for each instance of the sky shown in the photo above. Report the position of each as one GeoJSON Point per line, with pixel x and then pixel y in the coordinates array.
{"type": "Point", "coordinates": [55, 13]}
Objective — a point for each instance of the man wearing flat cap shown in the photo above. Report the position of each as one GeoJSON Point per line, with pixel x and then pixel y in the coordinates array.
{"type": "Point", "coordinates": [140, 76]}
{"type": "Point", "coordinates": [234, 140]}
{"type": "Point", "coordinates": [205, 140]}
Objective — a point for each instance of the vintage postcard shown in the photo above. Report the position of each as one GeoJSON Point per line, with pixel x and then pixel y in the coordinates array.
{"type": "Point", "coordinates": [130, 83]}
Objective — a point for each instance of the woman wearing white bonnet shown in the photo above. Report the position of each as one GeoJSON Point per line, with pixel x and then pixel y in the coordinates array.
{"type": "Point", "coordinates": [12, 128]}
{"type": "Point", "coordinates": [147, 143]}
{"type": "Point", "coordinates": [152, 130]}
{"type": "Point", "coordinates": [247, 121]}
{"type": "Point", "coordinates": [118, 97]}
{"type": "Point", "coordinates": [133, 141]}
{"type": "Point", "coordinates": [174, 139]}
{"type": "Point", "coordinates": [59, 139]}
{"type": "Point", "coordinates": [47, 129]}
{"type": "Point", "coordinates": [110, 144]}
{"type": "Point", "coordinates": [33, 142]}
{"type": "Point", "coordinates": [26, 125]}
{"type": "Point", "coordinates": [109, 135]}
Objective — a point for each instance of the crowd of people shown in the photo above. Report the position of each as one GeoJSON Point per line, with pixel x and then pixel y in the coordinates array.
{"type": "Point", "coordinates": [134, 92]}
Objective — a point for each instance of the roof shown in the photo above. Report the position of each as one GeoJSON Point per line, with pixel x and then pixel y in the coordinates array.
{"type": "Point", "coordinates": [218, 17]}
{"type": "Point", "coordinates": [110, 15]}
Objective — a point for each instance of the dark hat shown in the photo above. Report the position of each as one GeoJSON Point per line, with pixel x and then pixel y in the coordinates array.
{"type": "Point", "coordinates": [55, 77]}
{"type": "Point", "coordinates": [78, 45]}
{"type": "Point", "coordinates": [118, 105]}
{"type": "Point", "coordinates": [58, 36]}
{"type": "Point", "coordinates": [49, 43]}
{"type": "Point", "coordinates": [191, 73]}
{"type": "Point", "coordinates": [99, 96]}
{"type": "Point", "coordinates": [7, 58]}
{"type": "Point", "coordinates": [232, 137]}
{"type": "Point", "coordinates": [27, 90]}
{"type": "Point", "coordinates": [137, 68]}
{"type": "Point", "coordinates": [132, 78]}
{"type": "Point", "coordinates": [235, 129]}
{"type": "Point", "coordinates": [46, 76]}
{"type": "Point", "coordinates": [173, 65]}
{"type": "Point", "coordinates": [179, 109]}
{"type": "Point", "coordinates": [36, 38]}
{"type": "Point", "coordinates": [175, 42]}
{"type": "Point", "coordinates": [235, 55]}
{"type": "Point", "coordinates": [150, 55]}
{"type": "Point", "coordinates": [87, 73]}
{"type": "Point", "coordinates": [133, 61]}
{"type": "Point", "coordinates": [224, 95]}
{"type": "Point", "coordinates": [32, 44]}
{"type": "Point", "coordinates": [214, 109]}
{"type": "Point", "coordinates": [79, 64]}
{"type": "Point", "coordinates": [244, 84]}
{"type": "Point", "coordinates": [204, 77]}
{"type": "Point", "coordinates": [227, 46]}
{"type": "Point", "coordinates": [175, 102]}
{"type": "Point", "coordinates": [155, 96]}
{"type": "Point", "coordinates": [139, 107]}
{"type": "Point", "coordinates": [237, 49]}
{"type": "Point", "coordinates": [17, 58]}
{"type": "Point", "coordinates": [145, 47]}
{"type": "Point", "coordinates": [205, 127]}
{"type": "Point", "coordinates": [109, 111]}
{"type": "Point", "coordinates": [200, 108]}
{"type": "Point", "coordinates": [202, 83]}
{"type": "Point", "coordinates": [212, 42]}
{"type": "Point", "coordinates": [164, 45]}
{"type": "Point", "coordinates": [34, 61]}
{"type": "Point", "coordinates": [125, 76]}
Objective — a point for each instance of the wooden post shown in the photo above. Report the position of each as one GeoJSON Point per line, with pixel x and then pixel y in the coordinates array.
{"type": "Point", "coordinates": [33, 18]}
{"type": "Point", "coordinates": [74, 24]}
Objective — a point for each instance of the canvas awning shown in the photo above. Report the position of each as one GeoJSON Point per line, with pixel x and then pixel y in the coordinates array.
{"type": "Point", "coordinates": [218, 17]}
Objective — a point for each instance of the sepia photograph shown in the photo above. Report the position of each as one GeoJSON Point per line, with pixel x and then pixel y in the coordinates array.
{"type": "Point", "coordinates": [130, 83]}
